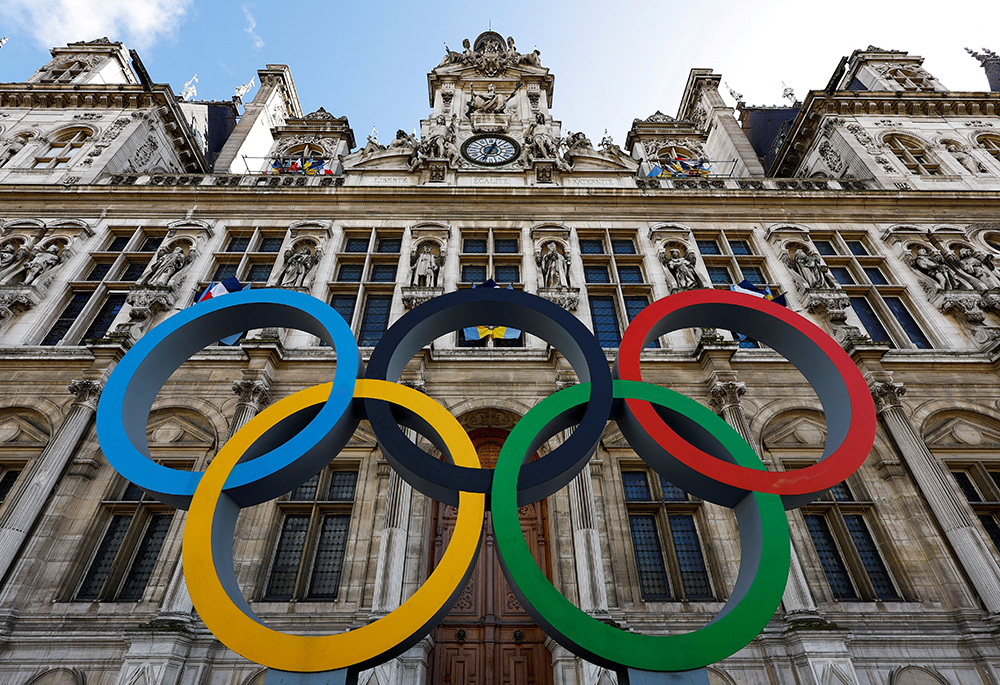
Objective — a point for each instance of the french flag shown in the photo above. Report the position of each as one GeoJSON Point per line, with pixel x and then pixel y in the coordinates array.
{"type": "Point", "coordinates": [229, 285]}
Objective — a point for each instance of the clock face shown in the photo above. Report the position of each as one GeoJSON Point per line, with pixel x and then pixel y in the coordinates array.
{"type": "Point", "coordinates": [491, 149]}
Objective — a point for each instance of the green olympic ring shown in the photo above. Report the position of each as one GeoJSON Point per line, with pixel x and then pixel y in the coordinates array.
{"type": "Point", "coordinates": [764, 540]}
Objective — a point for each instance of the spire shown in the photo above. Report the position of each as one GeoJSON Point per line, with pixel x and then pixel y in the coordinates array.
{"type": "Point", "coordinates": [991, 64]}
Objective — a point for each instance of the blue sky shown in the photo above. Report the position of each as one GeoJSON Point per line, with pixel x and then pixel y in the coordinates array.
{"type": "Point", "coordinates": [612, 61]}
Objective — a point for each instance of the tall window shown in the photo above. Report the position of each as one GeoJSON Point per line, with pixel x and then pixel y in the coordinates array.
{"type": "Point", "coordinates": [309, 554]}
{"type": "Point", "coordinates": [665, 539]}
{"type": "Point", "coordinates": [879, 303]}
{"type": "Point", "coordinates": [980, 483]}
{"type": "Point", "coordinates": [374, 320]}
{"type": "Point", "coordinates": [62, 148]}
{"type": "Point", "coordinates": [838, 524]}
{"type": "Point", "coordinates": [125, 557]}
{"type": "Point", "coordinates": [615, 275]}
{"type": "Point", "coordinates": [912, 154]}
{"type": "Point", "coordinates": [249, 255]}
{"type": "Point", "coordinates": [364, 280]}
{"type": "Point", "coordinates": [731, 258]}
{"type": "Point", "coordinates": [491, 254]}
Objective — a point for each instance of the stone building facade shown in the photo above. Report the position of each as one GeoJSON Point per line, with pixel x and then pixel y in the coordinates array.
{"type": "Point", "coordinates": [873, 204]}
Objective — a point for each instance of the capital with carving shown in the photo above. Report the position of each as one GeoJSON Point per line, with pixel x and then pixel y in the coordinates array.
{"type": "Point", "coordinates": [255, 394]}
{"type": "Point", "coordinates": [886, 394]}
{"type": "Point", "coordinates": [726, 394]}
{"type": "Point", "coordinates": [87, 393]}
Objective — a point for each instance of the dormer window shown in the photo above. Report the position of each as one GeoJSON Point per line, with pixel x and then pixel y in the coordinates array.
{"type": "Point", "coordinates": [991, 145]}
{"type": "Point", "coordinates": [910, 80]}
{"type": "Point", "coordinates": [912, 154]}
{"type": "Point", "coordinates": [65, 72]}
{"type": "Point", "coordinates": [62, 147]}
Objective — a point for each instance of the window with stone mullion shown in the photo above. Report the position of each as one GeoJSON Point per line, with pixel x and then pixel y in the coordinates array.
{"type": "Point", "coordinates": [129, 548]}
{"type": "Point", "coordinates": [309, 553]}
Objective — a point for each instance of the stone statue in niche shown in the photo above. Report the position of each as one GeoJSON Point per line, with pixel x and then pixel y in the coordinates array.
{"type": "Point", "coordinates": [424, 272]}
{"type": "Point", "coordinates": [40, 261]}
{"type": "Point", "coordinates": [968, 161]}
{"type": "Point", "coordinates": [554, 266]}
{"type": "Point", "coordinates": [298, 265]}
{"type": "Point", "coordinates": [813, 271]}
{"type": "Point", "coordinates": [680, 269]}
{"type": "Point", "coordinates": [168, 263]}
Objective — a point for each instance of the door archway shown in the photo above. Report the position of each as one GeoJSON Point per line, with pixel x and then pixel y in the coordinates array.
{"type": "Point", "coordinates": [488, 638]}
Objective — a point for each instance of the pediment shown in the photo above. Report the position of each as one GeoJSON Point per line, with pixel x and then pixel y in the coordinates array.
{"type": "Point", "coordinates": [963, 431]}
{"type": "Point", "coordinates": [16, 429]}
{"type": "Point", "coordinates": [179, 430]}
{"type": "Point", "coordinates": [799, 432]}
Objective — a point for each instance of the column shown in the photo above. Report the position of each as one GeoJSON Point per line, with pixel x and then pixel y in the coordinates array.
{"type": "Point", "coordinates": [587, 545]}
{"type": "Point", "coordinates": [392, 546]}
{"type": "Point", "coordinates": [253, 396]}
{"type": "Point", "coordinates": [935, 484]}
{"type": "Point", "coordinates": [724, 397]}
{"type": "Point", "coordinates": [44, 472]}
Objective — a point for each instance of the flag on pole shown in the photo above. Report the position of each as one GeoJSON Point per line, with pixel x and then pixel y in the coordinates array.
{"type": "Point", "coordinates": [748, 288]}
{"type": "Point", "coordinates": [224, 287]}
{"type": "Point", "coordinates": [495, 332]}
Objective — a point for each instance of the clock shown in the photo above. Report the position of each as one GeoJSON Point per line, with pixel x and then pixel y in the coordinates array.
{"type": "Point", "coordinates": [491, 149]}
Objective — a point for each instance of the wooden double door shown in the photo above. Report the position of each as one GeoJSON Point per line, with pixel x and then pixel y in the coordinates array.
{"type": "Point", "coordinates": [488, 638]}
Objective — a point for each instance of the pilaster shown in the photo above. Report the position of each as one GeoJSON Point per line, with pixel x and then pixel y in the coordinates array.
{"type": "Point", "coordinates": [28, 502]}
{"type": "Point", "coordinates": [952, 514]}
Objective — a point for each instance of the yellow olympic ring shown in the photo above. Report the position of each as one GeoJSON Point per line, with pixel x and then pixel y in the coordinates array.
{"type": "Point", "coordinates": [226, 612]}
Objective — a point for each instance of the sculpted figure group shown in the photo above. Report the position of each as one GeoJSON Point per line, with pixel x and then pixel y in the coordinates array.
{"type": "Point", "coordinates": [26, 266]}
{"type": "Point", "coordinates": [966, 270]}
{"type": "Point", "coordinates": [162, 271]}
{"type": "Point", "coordinates": [491, 57]}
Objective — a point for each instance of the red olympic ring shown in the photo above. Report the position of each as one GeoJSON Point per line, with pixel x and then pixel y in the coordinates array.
{"type": "Point", "coordinates": [841, 388]}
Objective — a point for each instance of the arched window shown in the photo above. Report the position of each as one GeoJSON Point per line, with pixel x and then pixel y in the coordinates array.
{"type": "Point", "coordinates": [62, 147]}
{"type": "Point", "coordinates": [991, 144]}
{"type": "Point", "coordinates": [912, 154]}
{"type": "Point", "coordinates": [307, 158]}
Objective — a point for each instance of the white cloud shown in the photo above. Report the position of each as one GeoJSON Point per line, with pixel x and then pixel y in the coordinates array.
{"type": "Point", "coordinates": [138, 23]}
{"type": "Point", "coordinates": [258, 42]}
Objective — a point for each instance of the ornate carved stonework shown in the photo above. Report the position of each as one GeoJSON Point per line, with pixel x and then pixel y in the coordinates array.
{"type": "Point", "coordinates": [968, 307]}
{"type": "Point", "coordinates": [832, 305]}
{"type": "Point", "coordinates": [255, 394]}
{"type": "Point", "coordinates": [437, 171]}
{"type": "Point", "coordinates": [831, 156]}
{"type": "Point", "coordinates": [87, 392]}
{"type": "Point", "coordinates": [726, 394]}
{"type": "Point", "coordinates": [417, 295]}
{"type": "Point", "coordinates": [543, 173]}
{"type": "Point", "coordinates": [567, 298]}
{"type": "Point", "coordinates": [15, 299]}
{"type": "Point", "coordinates": [886, 394]}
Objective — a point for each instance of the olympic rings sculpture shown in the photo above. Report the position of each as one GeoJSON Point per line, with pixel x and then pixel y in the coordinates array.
{"type": "Point", "coordinates": [293, 439]}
